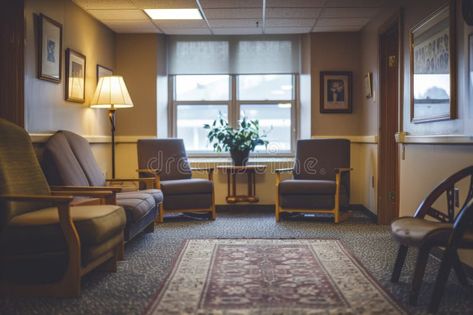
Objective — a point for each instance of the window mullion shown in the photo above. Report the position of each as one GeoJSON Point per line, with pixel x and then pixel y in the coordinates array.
{"type": "Point", "coordinates": [234, 108]}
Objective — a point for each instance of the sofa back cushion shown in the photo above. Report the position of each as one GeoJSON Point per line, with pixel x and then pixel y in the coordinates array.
{"type": "Point", "coordinates": [60, 163]}
{"type": "Point", "coordinates": [20, 172]}
{"type": "Point", "coordinates": [84, 155]}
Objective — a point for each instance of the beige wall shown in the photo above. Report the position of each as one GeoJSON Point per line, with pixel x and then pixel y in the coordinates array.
{"type": "Point", "coordinates": [45, 107]}
{"type": "Point", "coordinates": [137, 62]}
{"type": "Point", "coordinates": [335, 52]}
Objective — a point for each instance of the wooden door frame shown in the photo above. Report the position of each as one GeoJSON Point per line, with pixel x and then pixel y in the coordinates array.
{"type": "Point", "coordinates": [12, 78]}
{"type": "Point", "coordinates": [395, 21]}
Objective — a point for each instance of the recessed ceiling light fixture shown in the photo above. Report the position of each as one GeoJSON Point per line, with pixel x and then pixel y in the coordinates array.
{"type": "Point", "coordinates": [174, 14]}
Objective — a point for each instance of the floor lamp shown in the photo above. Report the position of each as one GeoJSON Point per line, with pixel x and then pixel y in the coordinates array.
{"type": "Point", "coordinates": [111, 93]}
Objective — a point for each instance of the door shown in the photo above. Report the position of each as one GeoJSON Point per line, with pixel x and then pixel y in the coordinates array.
{"type": "Point", "coordinates": [388, 159]}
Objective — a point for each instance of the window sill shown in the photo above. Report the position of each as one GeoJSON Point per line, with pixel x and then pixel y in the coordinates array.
{"type": "Point", "coordinates": [226, 160]}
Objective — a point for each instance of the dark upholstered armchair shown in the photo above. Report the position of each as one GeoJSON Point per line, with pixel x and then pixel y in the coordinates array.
{"type": "Point", "coordinates": [443, 229]}
{"type": "Point", "coordinates": [68, 161]}
{"type": "Point", "coordinates": [46, 245]}
{"type": "Point", "coordinates": [166, 161]}
{"type": "Point", "coordinates": [321, 182]}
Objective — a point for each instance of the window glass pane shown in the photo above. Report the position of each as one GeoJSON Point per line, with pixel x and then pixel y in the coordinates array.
{"type": "Point", "coordinates": [265, 87]}
{"type": "Point", "coordinates": [190, 122]}
{"type": "Point", "coordinates": [202, 87]}
{"type": "Point", "coordinates": [275, 120]}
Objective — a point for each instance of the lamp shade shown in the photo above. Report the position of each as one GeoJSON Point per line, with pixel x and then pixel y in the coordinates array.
{"type": "Point", "coordinates": [111, 93]}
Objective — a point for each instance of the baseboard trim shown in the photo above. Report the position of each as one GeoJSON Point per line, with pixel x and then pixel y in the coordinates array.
{"type": "Point", "coordinates": [438, 253]}
{"type": "Point", "coordinates": [359, 207]}
{"type": "Point", "coordinates": [230, 207]}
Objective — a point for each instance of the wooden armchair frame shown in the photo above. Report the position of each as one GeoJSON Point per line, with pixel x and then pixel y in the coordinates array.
{"type": "Point", "coordinates": [426, 209]}
{"type": "Point", "coordinates": [157, 184]}
{"type": "Point", "coordinates": [69, 285]}
{"type": "Point", "coordinates": [336, 209]}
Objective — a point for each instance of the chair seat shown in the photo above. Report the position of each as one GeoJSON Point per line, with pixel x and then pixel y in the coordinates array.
{"type": "Point", "coordinates": [307, 187]}
{"type": "Point", "coordinates": [186, 186]}
{"type": "Point", "coordinates": [136, 204]}
{"type": "Point", "coordinates": [39, 231]}
{"type": "Point", "coordinates": [156, 193]}
{"type": "Point", "coordinates": [416, 232]}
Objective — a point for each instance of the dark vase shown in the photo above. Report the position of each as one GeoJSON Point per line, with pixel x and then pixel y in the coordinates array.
{"type": "Point", "coordinates": [240, 158]}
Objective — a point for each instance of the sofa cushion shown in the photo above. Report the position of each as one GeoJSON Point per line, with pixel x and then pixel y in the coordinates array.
{"type": "Point", "coordinates": [307, 187]}
{"type": "Point", "coordinates": [136, 204]}
{"type": "Point", "coordinates": [39, 231]}
{"type": "Point", "coordinates": [156, 193]}
{"type": "Point", "coordinates": [186, 186]}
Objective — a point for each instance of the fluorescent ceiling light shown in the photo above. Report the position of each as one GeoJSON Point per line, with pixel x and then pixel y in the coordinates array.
{"type": "Point", "coordinates": [174, 14]}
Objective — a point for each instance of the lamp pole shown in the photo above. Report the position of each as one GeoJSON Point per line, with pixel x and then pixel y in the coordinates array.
{"type": "Point", "coordinates": [111, 116]}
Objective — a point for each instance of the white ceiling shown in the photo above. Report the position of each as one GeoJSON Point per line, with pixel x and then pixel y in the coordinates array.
{"type": "Point", "coordinates": [236, 17]}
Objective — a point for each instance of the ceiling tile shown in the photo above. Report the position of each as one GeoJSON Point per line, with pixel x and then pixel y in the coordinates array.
{"type": "Point", "coordinates": [225, 23]}
{"type": "Point", "coordinates": [181, 23]}
{"type": "Point", "coordinates": [349, 12]}
{"type": "Point", "coordinates": [164, 4]}
{"type": "Point", "coordinates": [342, 22]}
{"type": "Point", "coordinates": [295, 3]}
{"type": "Point", "coordinates": [233, 13]}
{"type": "Point", "coordinates": [289, 22]}
{"type": "Point", "coordinates": [237, 31]}
{"type": "Point", "coordinates": [104, 4]}
{"type": "Point", "coordinates": [210, 4]}
{"type": "Point", "coordinates": [287, 30]}
{"type": "Point", "coordinates": [127, 26]}
{"type": "Point", "coordinates": [336, 28]}
{"type": "Point", "coordinates": [292, 13]}
{"type": "Point", "coordinates": [105, 15]}
{"type": "Point", "coordinates": [354, 3]}
{"type": "Point", "coordinates": [186, 31]}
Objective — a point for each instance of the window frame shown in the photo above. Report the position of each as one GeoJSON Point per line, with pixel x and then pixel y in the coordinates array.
{"type": "Point", "coordinates": [233, 110]}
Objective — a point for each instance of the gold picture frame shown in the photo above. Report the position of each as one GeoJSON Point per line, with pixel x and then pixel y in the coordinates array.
{"type": "Point", "coordinates": [75, 76]}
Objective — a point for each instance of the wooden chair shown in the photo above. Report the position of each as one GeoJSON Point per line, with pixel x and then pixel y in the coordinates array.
{"type": "Point", "coordinates": [166, 161]}
{"type": "Point", "coordinates": [447, 231]}
{"type": "Point", "coordinates": [321, 182]}
{"type": "Point", "coordinates": [46, 245]}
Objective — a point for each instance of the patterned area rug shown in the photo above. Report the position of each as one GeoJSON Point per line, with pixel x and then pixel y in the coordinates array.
{"type": "Point", "coordinates": [270, 276]}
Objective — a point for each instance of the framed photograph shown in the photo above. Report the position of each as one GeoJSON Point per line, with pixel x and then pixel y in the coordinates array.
{"type": "Point", "coordinates": [335, 92]}
{"type": "Point", "coordinates": [75, 76]}
{"type": "Point", "coordinates": [433, 67]}
{"type": "Point", "coordinates": [368, 85]}
{"type": "Point", "coordinates": [103, 72]}
{"type": "Point", "coordinates": [49, 49]}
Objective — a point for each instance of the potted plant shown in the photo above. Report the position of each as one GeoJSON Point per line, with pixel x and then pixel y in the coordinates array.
{"type": "Point", "coordinates": [239, 142]}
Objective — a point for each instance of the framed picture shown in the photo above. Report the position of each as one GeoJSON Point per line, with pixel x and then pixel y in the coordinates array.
{"type": "Point", "coordinates": [368, 85]}
{"type": "Point", "coordinates": [335, 92]}
{"type": "Point", "coordinates": [49, 49]}
{"type": "Point", "coordinates": [433, 67]}
{"type": "Point", "coordinates": [103, 72]}
{"type": "Point", "coordinates": [75, 76]}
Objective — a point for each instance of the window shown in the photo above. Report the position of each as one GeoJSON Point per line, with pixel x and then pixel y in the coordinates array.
{"type": "Point", "coordinates": [200, 99]}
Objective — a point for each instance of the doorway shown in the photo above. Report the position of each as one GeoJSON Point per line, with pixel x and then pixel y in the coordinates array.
{"type": "Point", "coordinates": [391, 80]}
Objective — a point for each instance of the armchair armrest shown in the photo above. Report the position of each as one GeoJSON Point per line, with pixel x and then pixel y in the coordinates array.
{"type": "Point", "coordinates": [148, 181]}
{"type": "Point", "coordinates": [38, 198]}
{"type": "Point", "coordinates": [108, 196]}
{"type": "Point", "coordinates": [86, 188]}
{"type": "Point", "coordinates": [153, 172]}
{"type": "Point", "coordinates": [283, 170]}
{"type": "Point", "coordinates": [343, 169]}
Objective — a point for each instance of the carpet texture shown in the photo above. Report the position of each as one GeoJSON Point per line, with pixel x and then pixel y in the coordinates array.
{"type": "Point", "coordinates": [261, 276]}
{"type": "Point", "coordinates": [149, 259]}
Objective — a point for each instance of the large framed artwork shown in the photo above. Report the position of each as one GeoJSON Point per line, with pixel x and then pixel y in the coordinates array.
{"type": "Point", "coordinates": [49, 49]}
{"type": "Point", "coordinates": [75, 76]}
{"type": "Point", "coordinates": [433, 67]}
{"type": "Point", "coordinates": [335, 92]}
{"type": "Point", "coordinates": [103, 72]}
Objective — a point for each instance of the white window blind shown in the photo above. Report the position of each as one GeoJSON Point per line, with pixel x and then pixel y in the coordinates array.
{"type": "Point", "coordinates": [233, 54]}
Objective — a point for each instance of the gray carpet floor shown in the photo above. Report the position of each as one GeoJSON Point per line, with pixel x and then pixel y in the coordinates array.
{"type": "Point", "coordinates": [149, 257]}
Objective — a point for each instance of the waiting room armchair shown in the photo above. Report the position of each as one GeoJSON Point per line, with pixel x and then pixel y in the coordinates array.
{"type": "Point", "coordinates": [166, 161]}
{"type": "Point", "coordinates": [46, 245]}
{"type": "Point", "coordinates": [321, 182]}
{"type": "Point", "coordinates": [445, 230]}
{"type": "Point", "coordinates": [68, 161]}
